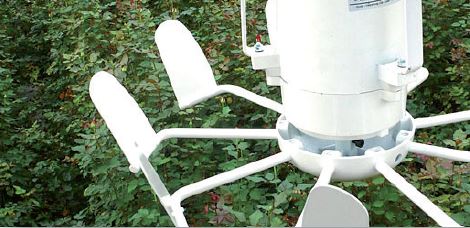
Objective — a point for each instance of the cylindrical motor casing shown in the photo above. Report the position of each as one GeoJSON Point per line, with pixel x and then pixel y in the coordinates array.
{"type": "Point", "coordinates": [329, 57]}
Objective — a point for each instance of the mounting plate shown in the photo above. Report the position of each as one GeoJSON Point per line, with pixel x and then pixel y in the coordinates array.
{"type": "Point", "coordinates": [306, 151]}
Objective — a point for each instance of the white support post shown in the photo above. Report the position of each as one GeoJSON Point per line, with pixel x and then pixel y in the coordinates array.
{"type": "Point", "coordinates": [435, 151]}
{"type": "Point", "coordinates": [442, 119]}
{"type": "Point", "coordinates": [415, 196]}
{"type": "Point", "coordinates": [230, 176]}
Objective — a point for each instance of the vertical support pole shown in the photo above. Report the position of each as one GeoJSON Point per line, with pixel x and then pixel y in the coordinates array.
{"type": "Point", "coordinates": [243, 22]}
{"type": "Point", "coordinates": [414, 34]}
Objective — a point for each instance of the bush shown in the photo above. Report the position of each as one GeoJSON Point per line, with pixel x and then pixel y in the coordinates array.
{"type": "Point", "coordinates": [61, 167]}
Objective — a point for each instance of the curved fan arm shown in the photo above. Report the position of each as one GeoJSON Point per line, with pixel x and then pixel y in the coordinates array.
{"type": "Point", "coordinates": [417, 197]}
{"type": "Point", "coordinates": [137, 139]}
{"type": "Point", "coordinates": [190, 73]}
{"type": "Point", "coordinates": [434, 121]}
{"type": "Point", "coordinates": [435, 151]}
{"type": "Point", "coordinates": [231, 176]}
{"type": "Point", "coordinates": [209, 133]}
{"type": "Point", "coordinates": [237, 91]}
{"type": "Point", "coordinates": [221, 179]}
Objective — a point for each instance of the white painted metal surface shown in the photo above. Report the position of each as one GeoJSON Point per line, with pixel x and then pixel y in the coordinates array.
{"type": "Point", "coordinates": [413, 53]}
{"type": "Point", "coordinates": [231, 176]}
{"type": "Point", "coordinates": [123, 116]}
{"type": "Point", "coordinates": [306, 151]}
{"type": "Point", "coordinates": [344, 77]}
{"type": "Point", "coordinates": [332, 61]}
{"type": "Point", "coordinates": [190, 73]}
{"type": "Point", "coordinates": [442, 119]}
{"type": "Point", "coordinates": [414, 195]}
{"type": "Point", "coordinates": [330, 206]}
{"type": "Point", "coordinates": [435, 151]}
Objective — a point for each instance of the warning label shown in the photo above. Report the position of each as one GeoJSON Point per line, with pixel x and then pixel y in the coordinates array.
{"type": "Point", "coordinates": [355, 5]}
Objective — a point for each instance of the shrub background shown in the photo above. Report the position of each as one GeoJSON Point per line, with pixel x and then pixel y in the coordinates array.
{"type": "Point", "coordinates": [59, 165]}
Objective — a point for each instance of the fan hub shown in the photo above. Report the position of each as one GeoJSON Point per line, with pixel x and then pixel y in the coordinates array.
{"type": "Point", "coordinates": [358, 157]}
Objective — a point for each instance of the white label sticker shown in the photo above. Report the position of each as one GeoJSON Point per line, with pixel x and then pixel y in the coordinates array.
{"type": "Point", "coordinates": [355, 5]}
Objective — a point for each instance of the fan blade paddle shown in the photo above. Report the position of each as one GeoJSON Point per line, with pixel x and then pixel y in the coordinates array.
{"type": "Point", "coordinates": [190, 74]}
{"type": "Point", "coordinates": [123, 116]}
{"type": "Point", "coordinates": [330, 206]}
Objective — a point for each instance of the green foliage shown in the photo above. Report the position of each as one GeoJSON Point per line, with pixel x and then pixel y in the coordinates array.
{"type": "Point", "coordinates": [59, 165]}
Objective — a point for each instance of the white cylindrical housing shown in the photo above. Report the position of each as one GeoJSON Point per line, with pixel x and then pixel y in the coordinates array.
{"type": "Point", "coordinates": [329, 57]}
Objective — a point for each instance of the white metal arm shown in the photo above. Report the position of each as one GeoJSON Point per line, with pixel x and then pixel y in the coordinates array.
{"type": "Point", "coordinates": [435, 151]}
{"type": "Point", "coordinates": [174, 201]}
{"type": "Point", "coordinates": [323, 180]}
{"type": "Point", "coordinates": [230, 176]}
{"type": "Point", "coordinates": [442, 119]}
{"type": "Point", "coordinates": [255, 98]}
{"type": "Point", "coordinates": [417, 197]}
{"type": "Point", "coordinates": [330, 206]}
{"type": "Point", "coordinates": [238, 91]}
{"type": "Point", "coordinates": [213, 133]}
{"type": "Point", "coordinates": [190, 73]}
{"type": "Point", "coordinates": [207, 133]}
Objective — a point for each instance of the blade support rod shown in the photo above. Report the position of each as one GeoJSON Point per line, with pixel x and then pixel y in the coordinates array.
{"type": "Point", "coordinates": [325, 175]}
{"type": "Point", "coordinates": [328, 168]}
{"type": "Point", "coordinates": [415, 196]}
{"type": "Point", "coordinates": [208, 133]}
{"type": "Point", "coordinates": [435, 151]}
{"type": "Point", "coordinates": [214, 133]}
{"type": "Point", "coordinates": [255, 98]}
{"type": "Point", "coordinates": [442, 119]}
{"type": "Point", "coordinates": [238, 91]}
{"type": "Point", "coordinates": [157, 186]}
{"type": "Point", "coordinates": [230, 176]}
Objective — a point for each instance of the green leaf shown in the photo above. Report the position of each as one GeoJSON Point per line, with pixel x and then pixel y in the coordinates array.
{"type": "Point", "coordinates": [378, 203]}
{"type": "Point", "coordinates": [360, 184]}
{"type": "Point", "coordinates": [255, 217]}
{"type": "Point", "coordinates": [378, 180]}
{"type": "Point", "coordinates": [390, 216]}
{"type": "Point", "coordinates": [132, 185]}
{"type": "Point", "coordinates": [239, 215]}
{"type": "Point", "coordinates": [19, 190]}
{"type": "Point", "coordinates": [280, 199]}
{"type": "Point", "coordinates": [467, 208]}
{"type": "Point", "coordinates": [269, 176]}
{"type": "Point", "coordinates": [93, 57]}
{"type": "Point", "coordinates": [255, 179]}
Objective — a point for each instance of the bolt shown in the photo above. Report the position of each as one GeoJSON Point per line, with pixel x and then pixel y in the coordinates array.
{"type": "Point", "coordinates": [259, 47]}
{"type": "Point", "coordinates": [401, 63]}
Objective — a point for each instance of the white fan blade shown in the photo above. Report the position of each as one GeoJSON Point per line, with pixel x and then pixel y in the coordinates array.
{"type": "Point", "coordinates": [189, 71]}
{"type": "Point", "coordinates": [330, 206]}
{"type": "Point", "coordinates": [124, 118]}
